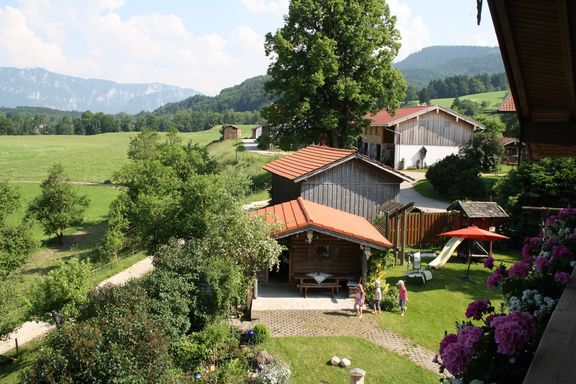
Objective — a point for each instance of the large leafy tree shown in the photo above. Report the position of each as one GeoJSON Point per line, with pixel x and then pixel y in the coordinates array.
{"type": "Point", "coordinates": [332, 65]}
{"type": "Point", "coordinates": [58, 207]}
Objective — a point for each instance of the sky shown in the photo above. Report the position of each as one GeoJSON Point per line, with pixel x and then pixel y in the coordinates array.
{"type": "Point", "coordinates": [206, 45]}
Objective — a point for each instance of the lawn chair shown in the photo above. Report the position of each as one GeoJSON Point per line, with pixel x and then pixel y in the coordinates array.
{"type": "Point", "coordinates": [417, 270]}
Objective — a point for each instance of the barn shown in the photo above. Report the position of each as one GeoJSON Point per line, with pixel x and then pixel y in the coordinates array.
{"type": "Point", "coordinates": [415, 137]}
{"type": "Point", "coordinates": [343, 179]}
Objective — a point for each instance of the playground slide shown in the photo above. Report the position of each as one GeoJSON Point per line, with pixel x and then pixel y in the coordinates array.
{"type": "Point", "coordinates": [446, 252]}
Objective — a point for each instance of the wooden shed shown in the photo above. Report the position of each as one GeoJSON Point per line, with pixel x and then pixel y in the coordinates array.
{"type": "Point", "coordinates": [483, 214]}
{"type": "Point", "coordinates": [339, 178]}
{"type": "Point", "coordinates": [231, 132]}
{"type": "Point", "coordinates": [320, 239]}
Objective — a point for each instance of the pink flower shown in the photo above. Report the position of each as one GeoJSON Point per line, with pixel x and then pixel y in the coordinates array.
{"type": "Point", "coordinates": [447, 340]}
{"type": "Point", "coordinates": [542, 263]}
{"type": "Point", "coordinates": [494, 279]}
{"type": "Point", "coordinates": [519, 270]}
{"type": "Point", "coordinates": [566, 212]}
{"type": "Point", "coordinates": [455, 358]}
{"type": "Point", "coordinates": [469, 336]}
{"type": "Point", "coordinates": [561, 251]}
{"type": "Point", "coordinates": [562, 277]}
{"type": "Point", "coordinates": [513, 332]}
{"type": "Point", "coordinates": [489, 262]}
{"type": "Point", "coordinates": [478, 308]}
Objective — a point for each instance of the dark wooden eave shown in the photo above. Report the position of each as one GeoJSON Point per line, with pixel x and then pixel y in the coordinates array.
{"type": "Point", "coordinates": [537, 40]}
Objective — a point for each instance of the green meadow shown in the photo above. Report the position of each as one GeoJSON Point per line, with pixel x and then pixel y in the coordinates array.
{"type": "Point", "coordinates": [493, 100]}
{"type": "Point", "coordinates": [85, 158]}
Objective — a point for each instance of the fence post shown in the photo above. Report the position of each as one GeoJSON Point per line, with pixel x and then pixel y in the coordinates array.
{"type": "Point", "coordinates": [404, 227]}
{"type": "Point", "coordinates": [421, 229]}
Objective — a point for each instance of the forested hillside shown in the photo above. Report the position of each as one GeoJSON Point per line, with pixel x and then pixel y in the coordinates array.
{"type": "Point", "coordinates": [437, 62]}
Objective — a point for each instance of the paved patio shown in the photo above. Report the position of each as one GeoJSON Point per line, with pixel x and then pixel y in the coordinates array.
{"type": "Point", "coordinates": [286, 313]}
{"type": "Point", "coordinates": [288, 297]}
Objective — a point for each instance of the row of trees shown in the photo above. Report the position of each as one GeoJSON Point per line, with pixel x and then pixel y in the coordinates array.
{"type": "Point", "coordinates": [455, 86]}
{"type": "Point", "coordinates": [58, 207]}
{"type": "Point", "coordinates": [88, 123]}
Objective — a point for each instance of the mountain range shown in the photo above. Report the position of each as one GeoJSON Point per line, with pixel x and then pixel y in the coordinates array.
{"type": "Point", "coordinates": [38, 87]}
{"type": "Point", "coordinates": [41, 88]}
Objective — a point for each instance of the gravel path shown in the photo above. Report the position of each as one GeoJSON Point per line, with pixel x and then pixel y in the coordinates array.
{"type": "Point", "coordinates": [343, 323]}
{"type": "Point", "coordinates": [33, 329]}
{"type": "Point", "coordinates": [409, 194]}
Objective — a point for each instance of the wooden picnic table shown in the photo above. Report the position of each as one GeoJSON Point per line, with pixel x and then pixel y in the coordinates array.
{"type": "Point", "coordinates": [306, 281]}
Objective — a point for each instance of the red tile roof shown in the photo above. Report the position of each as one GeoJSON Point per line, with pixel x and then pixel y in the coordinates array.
{"type": "Point", "coordinates": [316, 158]}
{"type": "Point", "coordinates": [508, 104]}
{"type": "Point", "coordinates": [307, 160]}
{"type": "Point", "coordinates": [299, 215]}
{"type": "Point", "coordinates": [383, 117]}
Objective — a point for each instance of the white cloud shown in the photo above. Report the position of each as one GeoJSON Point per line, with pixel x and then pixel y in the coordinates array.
{"type": "Point", "coordinates": [19, 44]}
{"type": "Point", "coordinates": [414, 32]}
{"type": "Point", "coordinates": [249, 38]}
{"type": "Point", "coordinates": [91, 39]}
{"type": "Point", "coordinates": [266, 6]}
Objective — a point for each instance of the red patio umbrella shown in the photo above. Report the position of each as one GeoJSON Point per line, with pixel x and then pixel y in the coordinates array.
{"type": "Point", "coordinates": [474, 233]}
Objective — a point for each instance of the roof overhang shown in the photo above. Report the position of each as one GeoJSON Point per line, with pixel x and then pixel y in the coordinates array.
{"type": "Point", "coordinates": [294, 231]}
{"type": "Point", "coordinates": [538, 44]}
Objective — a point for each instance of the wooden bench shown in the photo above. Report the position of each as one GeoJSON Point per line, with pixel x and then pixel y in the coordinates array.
{"type": "Point", "coordinates": [306, 286]}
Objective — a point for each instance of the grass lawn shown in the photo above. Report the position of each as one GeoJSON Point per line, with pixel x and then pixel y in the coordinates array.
{"type": "Point", "coordinates": [28, 352]}
{"type": "Point", "coordinates": [85, 158]}
{"type": "Point", "coordinates": [78, 241]}
{"type": "Point", "coordinates": [433, 308]}
{"type": "Point", "coordinates": [425, 188]}
{"type": "Point", "coordinates": [231, 153]}
{"type": "Point", "coordinates": [494, 99]}
{"type": "Point", "coordinates": [308, 357]}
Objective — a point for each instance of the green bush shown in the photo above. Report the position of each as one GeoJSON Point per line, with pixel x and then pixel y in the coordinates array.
{"type": "Point", "coordinates": [214, 345]}
{"type": "Point", "coordinates": [114, 341]}
{"type": "Point", "coordinates": [389, 301]}
{"type": "Point", "coordinates": [261, 334]}
{"type": "Point", "coordinates": [456, 178]}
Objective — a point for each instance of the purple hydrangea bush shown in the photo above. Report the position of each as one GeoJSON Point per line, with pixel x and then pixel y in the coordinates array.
{"type": "Point", "coordinates": [498, 346]}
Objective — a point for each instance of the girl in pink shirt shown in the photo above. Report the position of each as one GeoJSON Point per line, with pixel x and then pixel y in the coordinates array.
{"type": "Point", "coordinates": [402, 295]}
{"type": "Point", "coordinates": [359, 299]}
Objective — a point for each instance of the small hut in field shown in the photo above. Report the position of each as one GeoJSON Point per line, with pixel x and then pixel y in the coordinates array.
{"type": "Point", "coordinates": [231, 132]}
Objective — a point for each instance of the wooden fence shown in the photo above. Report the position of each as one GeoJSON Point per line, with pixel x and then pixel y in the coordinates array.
{"type": "Point", "coordinates": [418, 229]}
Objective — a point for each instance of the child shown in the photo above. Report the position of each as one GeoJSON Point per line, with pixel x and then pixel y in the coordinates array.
{"type": "Point", "coordinates": [402, 295]}
{"type": "Point", "coordinates": [359, 300]}
{"type": "Point", "coordinates": [377, 297]}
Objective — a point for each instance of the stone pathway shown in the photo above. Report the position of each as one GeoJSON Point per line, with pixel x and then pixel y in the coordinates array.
{"type": "Point", "coordinates": [342, 323]}
{"type": "Point", "coordinates": [31, 330]}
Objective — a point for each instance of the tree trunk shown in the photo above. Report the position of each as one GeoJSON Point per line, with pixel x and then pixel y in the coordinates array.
{"type": "Point", "coordinates": [334, 138]}
{"type": "Point", "coordinates": [60, 236]}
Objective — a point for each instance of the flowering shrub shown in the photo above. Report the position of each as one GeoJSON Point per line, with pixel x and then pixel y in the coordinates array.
{"type": "Point", "coordinates": [276, 373]}
{"type": "Point", "coordinates": [500, 346]}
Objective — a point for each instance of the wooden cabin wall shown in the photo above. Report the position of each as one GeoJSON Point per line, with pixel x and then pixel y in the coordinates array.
{"type": "Point", "coordinates": [354, 187]}
{"type": "Point", "coordinates": [345, 258]}
{"type": "Point", "coordinates": [283, 189]}
{"type": "Point", "coordinates": [439, 129]}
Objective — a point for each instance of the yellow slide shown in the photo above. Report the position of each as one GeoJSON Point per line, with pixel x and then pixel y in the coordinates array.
{"type": "Point", "coordinates": [446, 252]}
